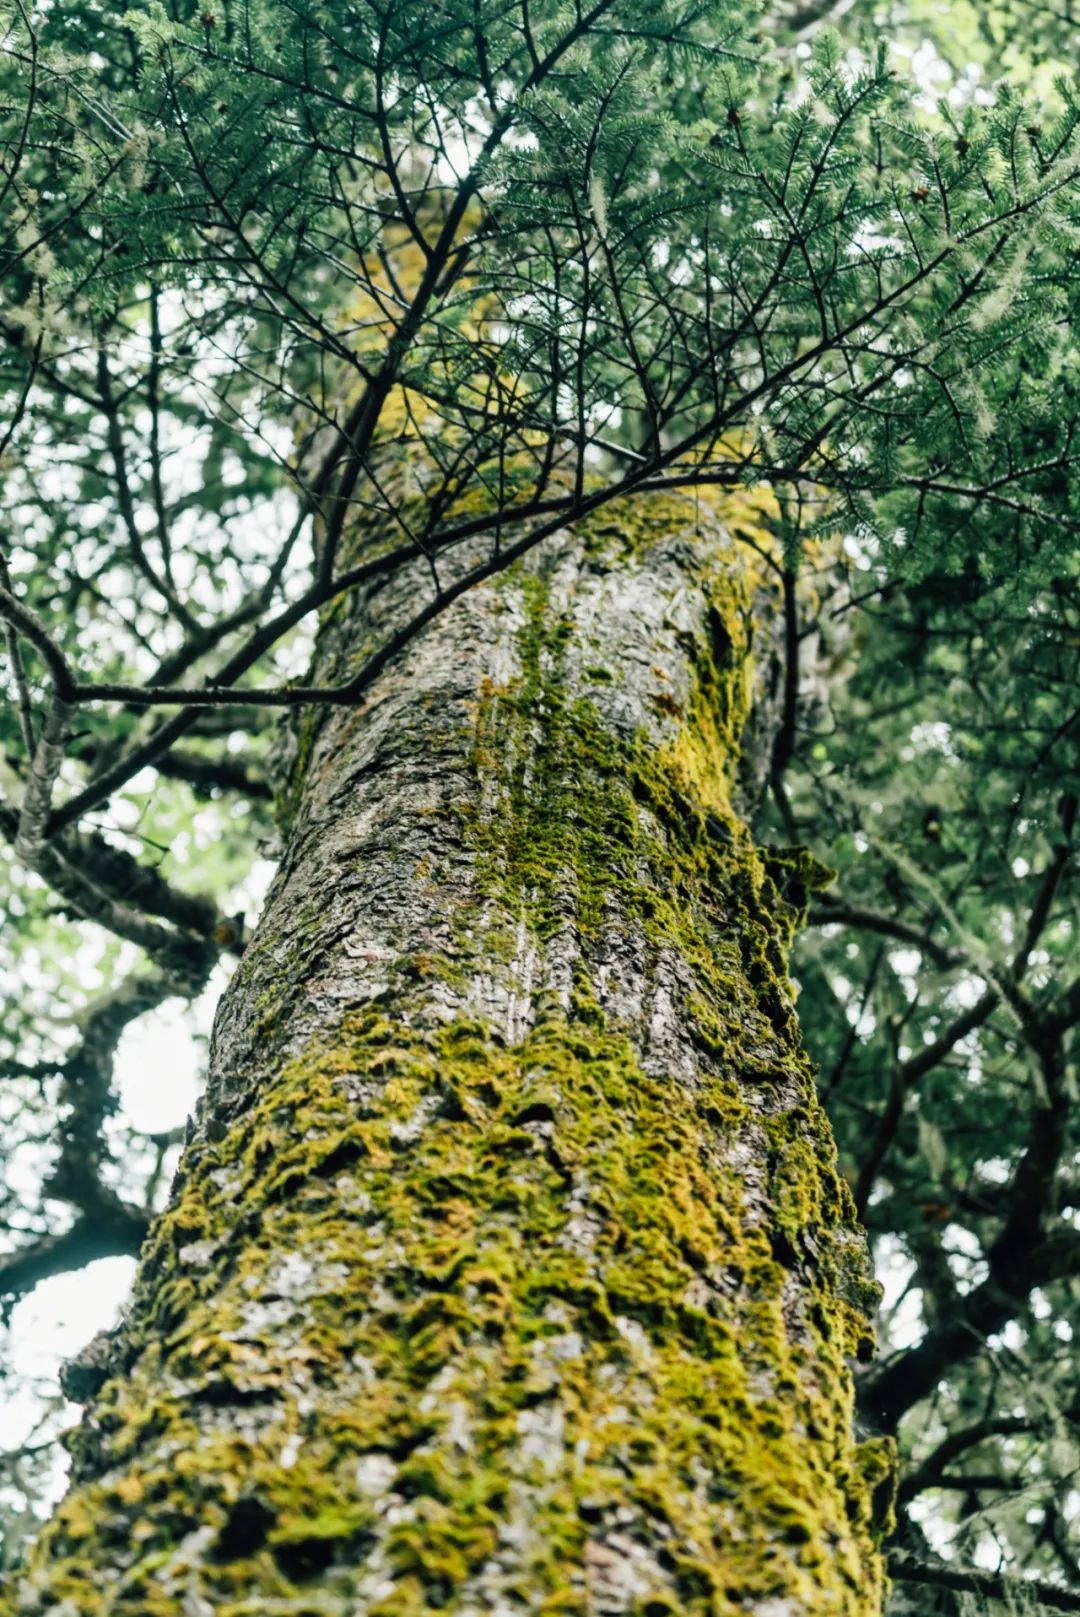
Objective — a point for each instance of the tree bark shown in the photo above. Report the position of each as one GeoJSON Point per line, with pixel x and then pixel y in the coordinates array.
{"type": "Point", "coordinates": [509, 1269]}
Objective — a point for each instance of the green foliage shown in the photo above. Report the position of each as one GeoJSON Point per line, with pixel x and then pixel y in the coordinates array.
{"type": "Point", "coordinates": [939, 771]}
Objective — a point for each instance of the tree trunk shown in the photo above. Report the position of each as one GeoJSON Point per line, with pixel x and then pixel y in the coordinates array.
{"type": "Point", "coordinates": [509, 1269]}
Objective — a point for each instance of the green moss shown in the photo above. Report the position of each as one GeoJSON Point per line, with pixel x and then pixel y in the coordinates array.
{"type": "Point", "coordinates": [467, 1317]}
{"type": "Point", "coordinates": [699, 1422]}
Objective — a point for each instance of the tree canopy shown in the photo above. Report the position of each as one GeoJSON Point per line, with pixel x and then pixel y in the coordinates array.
{"type": "Point", "coordinates": [294, 293]}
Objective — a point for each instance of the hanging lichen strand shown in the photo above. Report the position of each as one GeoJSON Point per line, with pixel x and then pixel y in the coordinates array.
{"type": "Point", "coordinates": [509, 1270]}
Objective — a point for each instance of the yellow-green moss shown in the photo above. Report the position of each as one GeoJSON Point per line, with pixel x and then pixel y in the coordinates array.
{"type": "Point", "coordinates": [727, 1427]}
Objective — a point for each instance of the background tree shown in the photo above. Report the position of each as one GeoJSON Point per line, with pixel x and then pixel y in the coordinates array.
{"type": "Point", "coordinates": [297, 301]}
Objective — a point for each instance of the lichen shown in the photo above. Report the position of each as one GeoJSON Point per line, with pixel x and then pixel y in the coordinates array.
{"type": "Point", "coordinates": [450, 1319]}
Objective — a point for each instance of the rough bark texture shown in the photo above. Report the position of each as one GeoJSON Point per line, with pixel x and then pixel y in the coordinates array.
{"type": "Point", "coordinates": [509, 1270]}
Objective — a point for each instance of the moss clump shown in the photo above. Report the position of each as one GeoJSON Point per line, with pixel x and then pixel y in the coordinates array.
{"type": "Point", "coordinates": [466, 1324]}
{"type": "Point", "coordinates": [450, 1321]}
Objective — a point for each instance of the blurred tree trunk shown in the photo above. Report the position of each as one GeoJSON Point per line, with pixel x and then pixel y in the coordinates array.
{"type": "Point", "coordinates": [508, 1269]}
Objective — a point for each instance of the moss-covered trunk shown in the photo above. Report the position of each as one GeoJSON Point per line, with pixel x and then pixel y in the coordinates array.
{"type": "Point", "coordinates": [509, 1269]}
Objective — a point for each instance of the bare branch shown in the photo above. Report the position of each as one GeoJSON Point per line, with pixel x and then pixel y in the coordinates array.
{"type": "Point", "coordinates": [45, 767]}
{"type": "Point", "coordinates": [989, 1585]}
